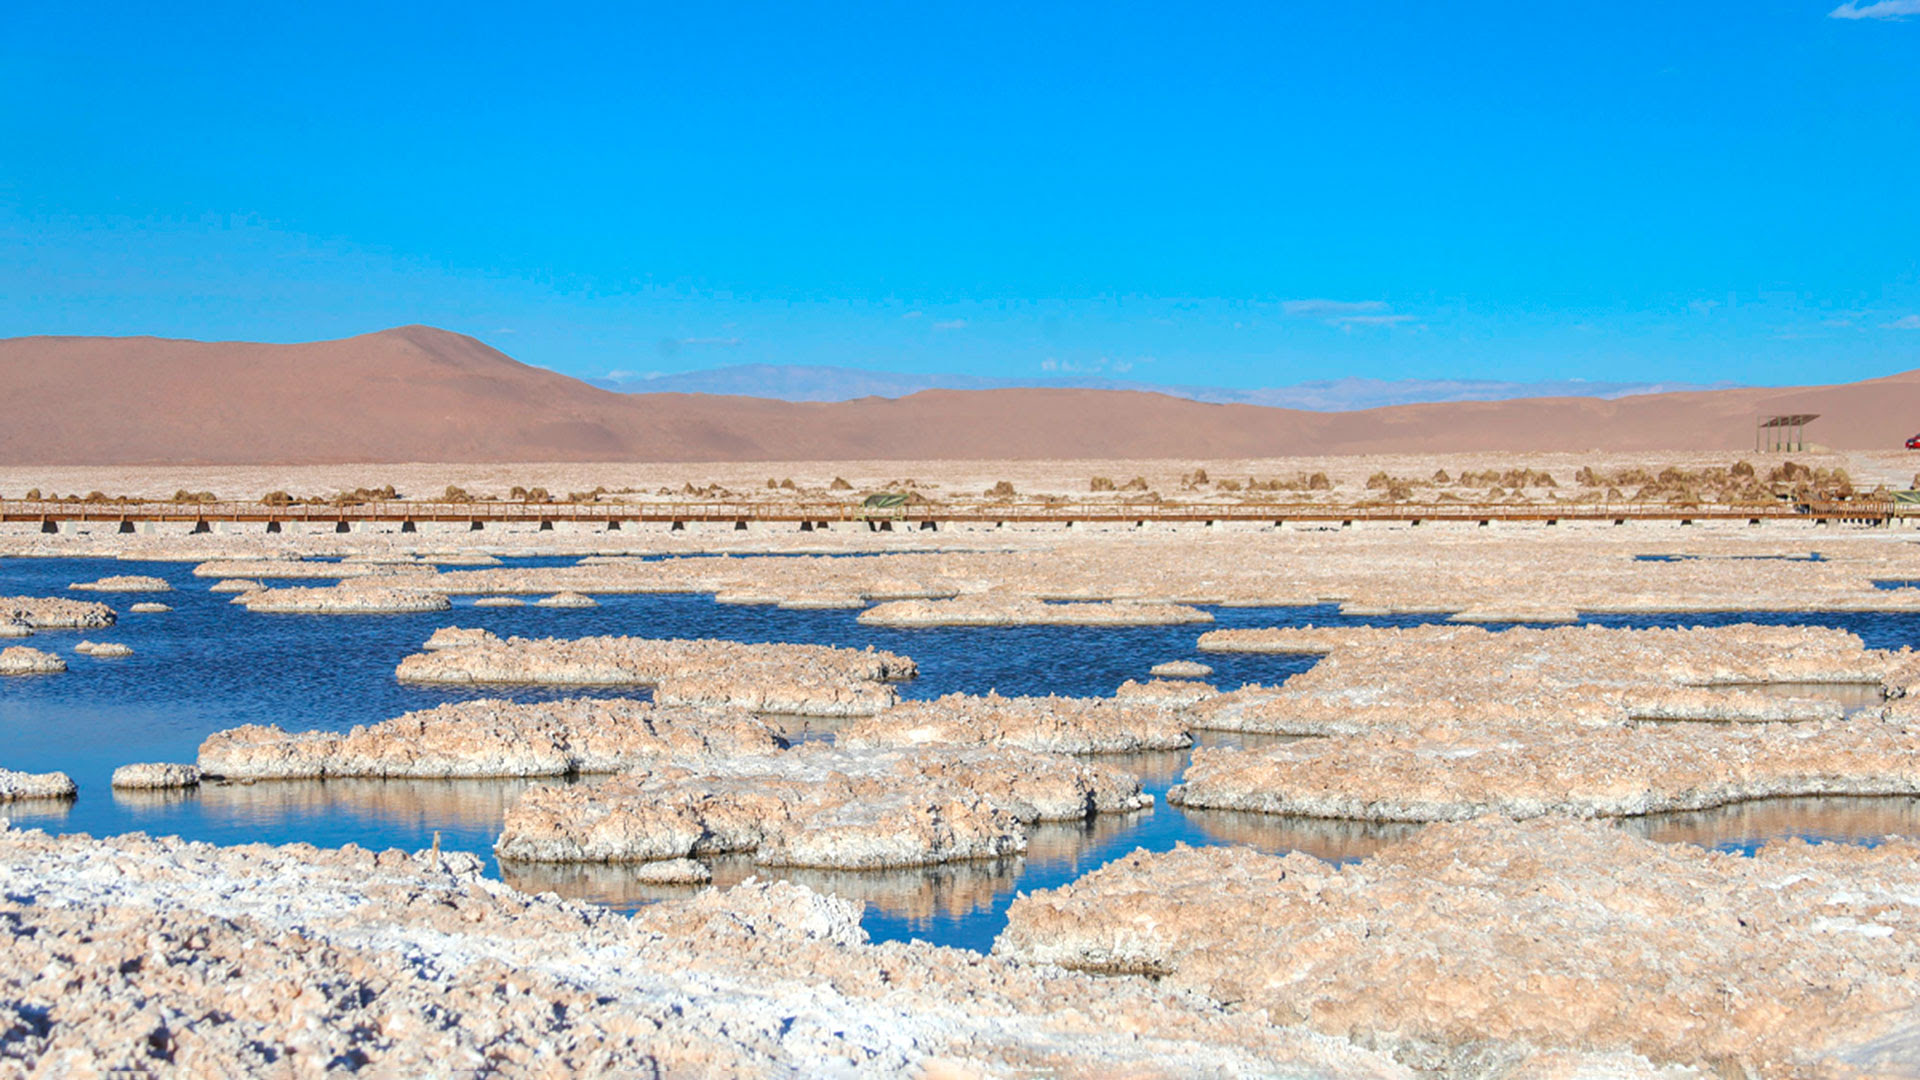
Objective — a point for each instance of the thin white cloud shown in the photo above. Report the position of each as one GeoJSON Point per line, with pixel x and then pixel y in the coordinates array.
{"type": "Point", "coordinates": [913, 315]}
{"type": "Point", "coordinates": [950, 324]}
{"type": "Point", "coordinates": [1347, 314]}
{"type": "Point", "coordinates": [1884, 9]}
{"type": "Point", "coordinates": [1904, 322]}
{"type": "Point", "coordinates": [1330, 309]}
{"type": "Point", "coordinates": [722, 342]}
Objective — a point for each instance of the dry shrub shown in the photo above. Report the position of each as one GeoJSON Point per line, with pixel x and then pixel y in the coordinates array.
{"type": "Point", "coordinates": [1003, 489]}
{"type": "Point", "coordinates": [787, 484]}
{"type": "Point", "coordinates": [185, 496]}
{"type": "Point", "coordinates": [277, 498]}
{"type": "Point", "coordinates": [456, 495]}
{"type": "Point", "coordinates": [1228, 485]}
{"type": "Point", "coordinates": [839, 484]}
{"type": "Point", "coordinates": [1138, 483]}
{"type": "Point", "coordinates": [1100, 483]}
{"type": "Point", "coordinates": [1440, 477]}
{"type": "Point", "coordinates": [32, 495]}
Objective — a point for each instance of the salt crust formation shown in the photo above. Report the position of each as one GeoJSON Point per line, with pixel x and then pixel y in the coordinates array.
{"type": "Point", "coordinates": [1570, 769]}
{"type": "Point", "coordinates": [124, 583]}
{"type": "Point", "coordinates": [104, 650]}
{"type": "Point", "coordinates": [155, 776]}
{"type": "Point", "coordinates": [20, 785]}
{"type": "Point", "coordinates": [1180, 669]}
{"type": "Point", "coordinates": [1056, 724]}
{"type": "Point", "coordinates": [452, 637]}
{"type": "Point", "coordinates": [55, 613]}
{"type": "Point", "coordinates": [154, 955]}
{"type": "Point", "coordinates": [1021, 611]}
{"type": "Point", "coordinates": [236, 585]}
{"type": "Point", "coordinates": [567, 599]}
{"type": "Point", "coordinates": [1414, 677]}
{"type": "Point", "coordinates": [805, 680]}
{"type": "Point", "coordinates": [1506, 570]}
{"type": "Point", "coordinates": [1503, 572]}
{"type": "Point", "coordinates": [14, 628]}
{"type": "Point", "coordinates": [351, 598]}
{"type": "Point", "coordinates": [1178, 694]}
{"type": "Point", "coordinates": [147, 607]}
{"type": "Point", "coordinates": [818, 806]}
{"type": "Point", "coordinates": [1466, 940]}
{"type": "Point", "coordinates": [490, 738]}
{"type": "Point", "coordinates": [1445, 723]}
{"type": "Point", "coordinates": [21, 660]}
{"type": "Point", "coordinates": [499, 601]}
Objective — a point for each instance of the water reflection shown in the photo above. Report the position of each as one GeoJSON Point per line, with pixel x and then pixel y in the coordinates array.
{"type": "Point", "coordinates": [36, 813]}
{"type": "Point", "coordinates": [1745, 827]}
{"type": "Point", "coordinates": [917, 894]}
{"type": "Point", "coordinates": [1334, 840]}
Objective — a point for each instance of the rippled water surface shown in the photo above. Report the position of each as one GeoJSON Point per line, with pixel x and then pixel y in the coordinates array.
{"type": "Point", "coordinates": [209, 665]}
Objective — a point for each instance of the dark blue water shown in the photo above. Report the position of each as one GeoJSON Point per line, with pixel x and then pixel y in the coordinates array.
{"type": "Point", "coordinates": [209, 665]}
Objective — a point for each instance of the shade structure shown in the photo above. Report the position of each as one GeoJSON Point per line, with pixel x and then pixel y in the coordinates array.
{"type": "Point", "coordinates": [1788, 431]}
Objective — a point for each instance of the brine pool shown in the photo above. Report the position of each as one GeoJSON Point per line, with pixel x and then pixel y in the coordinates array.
{"type": "Point", "coordinates": [209, 665]}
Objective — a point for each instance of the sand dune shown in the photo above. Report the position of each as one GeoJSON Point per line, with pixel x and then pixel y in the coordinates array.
{"type": "Point", "coordinates": [417, 394]}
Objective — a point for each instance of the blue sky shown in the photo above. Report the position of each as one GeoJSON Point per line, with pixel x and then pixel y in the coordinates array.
{"type": "Point", "coordinates": [1237, 195]}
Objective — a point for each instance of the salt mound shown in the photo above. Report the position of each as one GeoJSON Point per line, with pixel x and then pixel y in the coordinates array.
{"type": "Point", "coordinates": [804, 680]}
{"type": "Point", "coordinates": [1569, 937]}
{"type": "Point", "coordinates": [1180, 669]}
{"type": "Point", "coordinates": [105, 650]}
{"type": "Point", "coordinates": [145, 607]}
{"type": "Point", "coordinates": [1549, 768]}
{"type": "Point", "coordinates": [1056, 724]}
{"type": "Point", "coordinates": [21, 660]}
{"type": "Point", "coordinates": [353, 599]}
{"type": "Point", "coordinates": [235, 585]}
{"type": "Point", "coordinates": [490, 738]}
{"type": "Point", "coordinates": [450, 637]}
{"type": "Point", "coordinates": [817, 806]}
{"type": "Point", "coordinates": [151, 776]}
{"type": "Point", "coordinates": [567, 600]}
{"type": "Point", "coordinates": [499, 601]}
{"type": "Point", "coordinates": [13, 628]}
{"type": "Point", "coordinates": [55, 613]}
{"type": "Point", "coordinates": [124, 583]}
{"type": "Point", "coordinates": [20, 785]}
{"type": "Point", "coordinates": [1177, 695]}
{"type": "Point", "coordinates": [1024, 611]}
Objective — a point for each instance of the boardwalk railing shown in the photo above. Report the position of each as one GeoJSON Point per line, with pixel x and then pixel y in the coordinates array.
{"type": "Point", "coordinates": [928, 514]}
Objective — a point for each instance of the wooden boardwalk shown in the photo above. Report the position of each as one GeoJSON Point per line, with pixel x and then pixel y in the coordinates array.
{"type": "Point", "coordinates": [928, 515]}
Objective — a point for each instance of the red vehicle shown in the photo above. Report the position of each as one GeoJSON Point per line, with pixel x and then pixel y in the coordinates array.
{"type": "Point", "coordinates": [1914, 443]}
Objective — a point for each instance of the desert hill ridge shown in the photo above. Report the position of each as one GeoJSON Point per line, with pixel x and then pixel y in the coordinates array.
{"type": "Point", "coordinates": [419, 394]}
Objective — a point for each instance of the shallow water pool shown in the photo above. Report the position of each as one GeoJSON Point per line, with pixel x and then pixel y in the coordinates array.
{"type": "Point", "coordinates": [209, 665]}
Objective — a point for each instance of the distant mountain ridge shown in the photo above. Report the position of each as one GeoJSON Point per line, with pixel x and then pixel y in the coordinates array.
{"type": "Point", "coordinates": [417, 394]}
{"type": "Point", "coordinates": [818, 382]}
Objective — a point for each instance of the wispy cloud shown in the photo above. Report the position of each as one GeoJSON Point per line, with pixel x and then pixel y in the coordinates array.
{"type": "Point", "coordinates": [1904, 322]}
{"type": "Point", "coordinates": [672, 346]}
{"type": "Point", "coordinates": [1884, 9]}
{"type": "Point", "coordinates": [1102, 366]}
{"type": "Point", "coordinates": [950, 324]}
{"type": "Point", "coordinates": [1347, 314]}
{"type": "Point", "coordinates": [913, 315]}
{"type": "Point", "coordinates": [1331, 309]}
